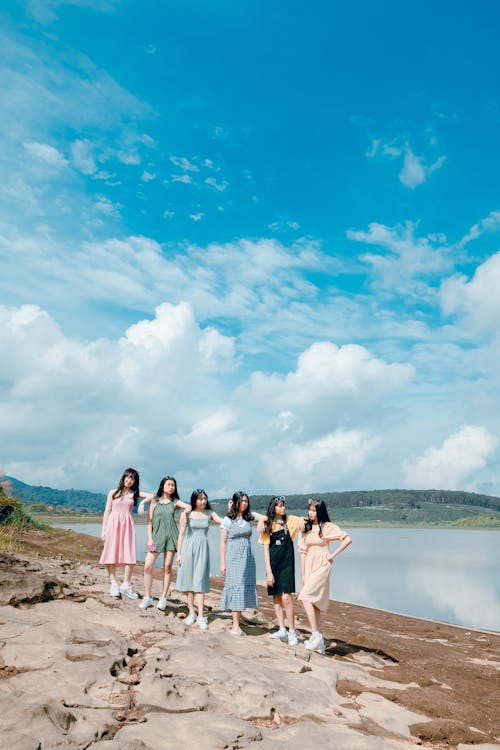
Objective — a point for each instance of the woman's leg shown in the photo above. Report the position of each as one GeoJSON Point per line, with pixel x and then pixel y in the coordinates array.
{"type": "Point", "coordinates": [112, 573]}
{"type": "Point", "coordinates": [236, 622]}
{"type": "Point", "coordinates": [129, 569]}
{"type": "Point", "coordinates": [312, 613]}
{"type": "Point", "coordinates": [168, 559]}
{"type": "Point", "coordinates": [190, 602]}
{"type": "Point", "coordinates": [149, 564]}
{"type": "Point", "coordinates": [200, 603]}
{"type": "Point", "coordinates": [288, 607]}
{"type": "Point", "coordinates": [278, 610]}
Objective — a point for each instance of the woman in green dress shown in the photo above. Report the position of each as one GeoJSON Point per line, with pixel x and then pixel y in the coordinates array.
{"type": "Point", "coordinates": [162, 537]}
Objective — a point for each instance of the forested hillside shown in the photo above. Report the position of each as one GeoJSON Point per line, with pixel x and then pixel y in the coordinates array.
{"type": "Point", "coordinates": [411, 506]}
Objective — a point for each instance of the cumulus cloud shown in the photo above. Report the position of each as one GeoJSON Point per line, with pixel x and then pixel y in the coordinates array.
{"type": "Point", "coordinates": [330, 385]}
{"type": "Point", "coordinates": [476, 299]}
{"type": "Point", "coordinates": [456, 461]}
{"type": "Point", "coordinates": [169, 395]}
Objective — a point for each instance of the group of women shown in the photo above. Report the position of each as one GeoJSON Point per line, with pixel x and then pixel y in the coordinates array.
{"type": "Point", "coordinates": [237, 563]}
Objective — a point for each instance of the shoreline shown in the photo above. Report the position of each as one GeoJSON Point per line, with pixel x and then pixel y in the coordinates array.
{"type": "Point", "coordinates": [141, 520]}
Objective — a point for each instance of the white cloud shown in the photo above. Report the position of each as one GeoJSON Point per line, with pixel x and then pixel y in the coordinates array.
{"type": "Point", "coordinates": [44, 11]}
{"type": "Point", "coordinates": [459, 458]}
{"type": "Point", "coordinates": [330, 459]}
{"type": "Point", "coordinates": [129, 157]}
{"type": "Point", "coordinates": [197, 216]}
{"type": "Point", "coordinates": [185, 178]}
{"type": "Point", "coordinates": [169, 387]}
{"type": "Point", "coordinates": [416, 168]}
{"type": "Point", "coordinates": [46, 153]}
{"type": "Point", "coordinates": [105, 206]}
{"type": "Point", "coordinates": [148, 176]}
{"type": "Point", "coordinates": [82, 152]}
{"type": "Point", "coordinates": [219, 186]}
{"type": "Point", "coordinates": [414, 171]}
{"type": "Point", "coordinates": [184, 164]}
{"type": "Point", "coordinates": [407, 261]}
{"type": "Point", "coordinates": [490, 224]}
{"type": "Point", "coordinates": [477, 300]}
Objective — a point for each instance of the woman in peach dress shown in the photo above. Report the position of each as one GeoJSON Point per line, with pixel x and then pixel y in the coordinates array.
{"type": "Point", "coordinates": [316, 567]}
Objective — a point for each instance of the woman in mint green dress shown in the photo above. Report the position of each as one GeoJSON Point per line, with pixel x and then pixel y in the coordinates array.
{"type": "Point", "coordinates": [162, 537]}
{"type": "Point", "coordinates": [193, 556]}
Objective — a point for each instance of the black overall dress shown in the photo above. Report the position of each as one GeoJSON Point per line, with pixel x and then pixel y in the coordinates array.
{"type": "Point", "coordinates": [282, 558]}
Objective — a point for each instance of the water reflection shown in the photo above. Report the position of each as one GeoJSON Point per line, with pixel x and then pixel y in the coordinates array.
{"type": "Point", "coordinates": [461, 597]}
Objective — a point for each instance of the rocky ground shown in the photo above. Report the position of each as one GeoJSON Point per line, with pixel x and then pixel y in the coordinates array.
{"type": "Point", "coordinates": [79, 669]}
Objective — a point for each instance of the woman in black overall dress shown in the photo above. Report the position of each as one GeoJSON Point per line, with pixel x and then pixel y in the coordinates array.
{"type": "Point", "coordinates": [279, 557]}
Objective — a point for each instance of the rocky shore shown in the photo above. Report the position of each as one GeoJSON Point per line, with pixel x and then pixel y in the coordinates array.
{"type": "Point", "coordinates": [79, 669]}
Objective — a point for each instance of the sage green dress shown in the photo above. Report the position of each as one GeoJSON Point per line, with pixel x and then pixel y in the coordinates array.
{"type": "Point", "coordinates": [165, 531]}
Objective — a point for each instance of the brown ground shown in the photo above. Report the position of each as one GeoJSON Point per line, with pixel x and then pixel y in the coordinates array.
{"type": "Point", "coordinates": [456, 671]}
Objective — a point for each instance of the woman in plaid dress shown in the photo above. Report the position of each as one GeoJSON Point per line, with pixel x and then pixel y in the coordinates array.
{"type": "Point", "coordinates": [237, 562]}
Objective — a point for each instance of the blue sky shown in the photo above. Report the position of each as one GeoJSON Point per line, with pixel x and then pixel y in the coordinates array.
{"type": "Point", "coordinates": [252, 244]}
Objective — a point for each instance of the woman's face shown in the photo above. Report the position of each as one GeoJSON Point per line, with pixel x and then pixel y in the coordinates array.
{"type": "Point", "coordinates": [312, 513]}
{"type": "Point", "coordinates": [129, 480]}
{"type": "Point", "coordinates": [243, 504]}
{"type": "Point", "coordinates": [201, 501]}
{"type": "Point", "coordinates": [280, 509]}
{"type": "Point", "coordinates": [169, 487]}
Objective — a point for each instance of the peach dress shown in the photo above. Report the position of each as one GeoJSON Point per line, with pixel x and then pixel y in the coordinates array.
{"type": "Point", "coordinates": [316, 588]}
{"type": "Point", "coordinates": [119, 543]}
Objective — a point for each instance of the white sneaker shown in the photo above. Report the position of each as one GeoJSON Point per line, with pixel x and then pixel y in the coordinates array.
{"type": "Point", "coordinates": [281, 634]}
{"type": "Point", "coordinates": [190, 619]}
{"type": "Point", "coordinates": [114, 590]}
{"type": "Point", "coordinates": [128, 591]}
{"type": "Point", "coordinates": [147, 601]}
{"type": "Point", "coordinates": [316, 643]}
{"type": "Point", "coordinates": [321, 647]}
{"type": "Point", "coordinates": [162, 603]}
{"type": "Point", "coordinates": [292, 638]}
{"type": "Point", "coordinates": [202, 623]}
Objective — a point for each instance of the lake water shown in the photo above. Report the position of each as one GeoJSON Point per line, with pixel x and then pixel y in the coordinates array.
{"type": "Point", "coordinates": [440, 574]}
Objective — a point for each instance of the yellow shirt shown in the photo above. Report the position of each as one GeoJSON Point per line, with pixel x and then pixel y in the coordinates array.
{"type": "Point", "coordinates": [292, 523]}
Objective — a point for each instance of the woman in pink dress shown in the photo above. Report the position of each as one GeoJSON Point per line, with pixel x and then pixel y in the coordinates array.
{"type": "Point", "coordinates": [316, 567]}
{"type": "Point", "coordinates": [118, 532]}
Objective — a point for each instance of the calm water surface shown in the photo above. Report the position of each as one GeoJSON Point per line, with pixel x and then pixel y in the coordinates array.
{"type": "Point", "coordinates": [440, 574]}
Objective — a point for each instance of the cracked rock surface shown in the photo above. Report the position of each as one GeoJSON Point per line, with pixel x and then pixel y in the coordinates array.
{"type": "Point", "coordinates": [79, 669]}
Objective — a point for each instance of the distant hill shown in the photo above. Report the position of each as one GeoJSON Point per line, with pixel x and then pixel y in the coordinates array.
{"type": "Point", "coordinates": [77, 500]}
{"type": "Point", "coordinates": [357, 506]}
{"type": "Point", "coordinates": [398, 499]}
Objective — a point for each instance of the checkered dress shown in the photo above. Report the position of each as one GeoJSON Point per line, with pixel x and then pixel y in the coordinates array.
{"type": "Point", "coordinates": [240, 590]}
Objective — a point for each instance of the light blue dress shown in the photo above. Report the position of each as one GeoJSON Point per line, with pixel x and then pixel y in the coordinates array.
{"type": "Point", "coordinates": [194, 572]}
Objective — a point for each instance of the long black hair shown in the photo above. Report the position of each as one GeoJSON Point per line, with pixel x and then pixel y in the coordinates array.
{"type": "Point", "coordinates": [121, 485]}
{"type": "Point", "coordinates": [271, 511]}
{"type": "Point", "coordinates": [159, 492]}
{"type": "Point", "coordinates": [233, 511]}
{"type": "Point", "coordinates": [194, 497]}
{"type": "Point", "coordinates": [323, 516]}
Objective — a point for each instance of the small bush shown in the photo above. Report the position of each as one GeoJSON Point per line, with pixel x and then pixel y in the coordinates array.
{"type": "Point", "coordinates": [12, 513]}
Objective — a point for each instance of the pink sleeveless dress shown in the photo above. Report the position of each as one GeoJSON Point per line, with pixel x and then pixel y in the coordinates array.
{"type": "Point", "coordinates": [119, 544]}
